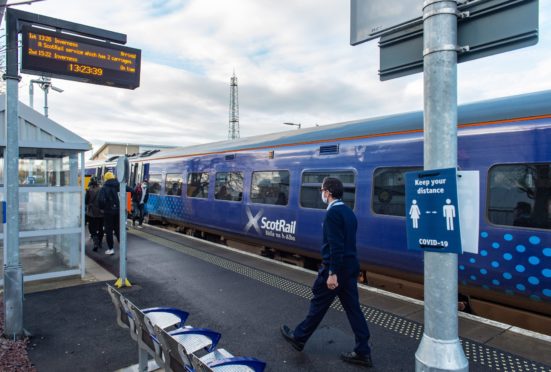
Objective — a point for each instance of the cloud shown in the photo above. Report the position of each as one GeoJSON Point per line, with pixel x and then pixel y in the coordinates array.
{"type": "Point", "coordinates": [292, 59]}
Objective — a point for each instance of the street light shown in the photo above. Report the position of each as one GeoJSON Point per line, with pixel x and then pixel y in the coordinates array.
{"type": "Point", "coordinates": [295, 124]}
{"type": "Point", "coordinates": [45, 84]}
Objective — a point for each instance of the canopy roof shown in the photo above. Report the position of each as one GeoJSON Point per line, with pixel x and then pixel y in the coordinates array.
{"type": "Point", "coordinates": [41, 136]}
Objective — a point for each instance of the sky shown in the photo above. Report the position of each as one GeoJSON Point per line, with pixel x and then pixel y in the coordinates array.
{"type": "Point", "coordinates": [293, 61]}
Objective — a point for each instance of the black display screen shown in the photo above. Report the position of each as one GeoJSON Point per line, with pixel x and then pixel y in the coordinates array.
{"type": "Point", "coordinates": [77, 58]}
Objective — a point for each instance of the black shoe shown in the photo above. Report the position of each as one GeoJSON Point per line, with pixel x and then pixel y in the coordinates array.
{"type": "Point", "coordinates": [290, 338]}
{"type": "Point", "coordinates": [95, 249]}
{"type": "Point", "coordinates": [352, 357]}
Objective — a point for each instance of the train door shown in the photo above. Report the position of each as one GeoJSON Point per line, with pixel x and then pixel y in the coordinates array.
{"type": "Point", "coordinates": [144, 171]}
{"type": "Point", "coordinates": [133, 175]}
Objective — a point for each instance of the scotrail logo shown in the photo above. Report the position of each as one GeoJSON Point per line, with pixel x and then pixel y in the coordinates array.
{"type": "Point", "coordinates": [279, 228]}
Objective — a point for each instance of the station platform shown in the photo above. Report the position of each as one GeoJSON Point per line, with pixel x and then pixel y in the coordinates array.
{"type": "Point", "coordinates": [246, 298]}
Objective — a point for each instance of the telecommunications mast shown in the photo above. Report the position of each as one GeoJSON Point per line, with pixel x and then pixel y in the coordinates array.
{"type": "Point", "coordinates": [233, 128]}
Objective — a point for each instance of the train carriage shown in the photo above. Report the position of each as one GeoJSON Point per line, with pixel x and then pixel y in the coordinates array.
{"type": "Point", "coordinates": [264, 191]}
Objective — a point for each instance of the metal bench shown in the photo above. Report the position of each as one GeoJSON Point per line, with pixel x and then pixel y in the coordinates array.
{"type": "Point", "coordinates": [182, 352]}
{"type": "Point", "coordinates": [131, 317]}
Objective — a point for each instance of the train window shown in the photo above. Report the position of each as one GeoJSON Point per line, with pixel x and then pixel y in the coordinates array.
{"type": "Point", "coordinates": [389, 191]}
{"type": "Point", "coordinates": [311, 183]}
{"type": "Point", "coordinates": [520, 195]}
{"type": "Point", "coordinates": [174, 184]}
{"type": "Point", "coordinates": [229, 186]}
{"type": "Point", "coordinates": [270, 187]}
{"type": "Point", "coordinates": [198, 185]}
{"type": "Point", "coordinates": [155, 181]}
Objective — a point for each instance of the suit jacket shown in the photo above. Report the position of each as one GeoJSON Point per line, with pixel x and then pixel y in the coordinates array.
{"type": "Point", "coordinates": [338, 249]}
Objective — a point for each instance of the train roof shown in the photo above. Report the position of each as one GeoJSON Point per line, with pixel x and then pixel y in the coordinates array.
{"type": "Point", "coordinates": [521, 106]}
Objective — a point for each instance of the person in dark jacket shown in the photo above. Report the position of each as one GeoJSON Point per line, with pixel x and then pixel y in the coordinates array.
{"type": "Point", "coordinates": [139, 200]}
{"type": "Point", "coordinates": [109, 202]}
{"type": "Point", "coordinates": [336, 277]}
{"type": "Point", "coordinates": [94, 213]}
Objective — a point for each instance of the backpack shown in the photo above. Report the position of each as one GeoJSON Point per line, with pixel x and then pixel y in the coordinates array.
{"type": "Point", "coordinates": [108, 199]}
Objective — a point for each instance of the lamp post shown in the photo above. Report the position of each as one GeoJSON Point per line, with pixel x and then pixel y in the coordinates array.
{"type": "Point", "coordinates": [45, 84]}
{"type": "Point", "coordinates": [294, 124]}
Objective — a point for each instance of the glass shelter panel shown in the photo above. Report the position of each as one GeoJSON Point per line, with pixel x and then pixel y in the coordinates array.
{"type": "Point", "coordinates": [50, 213]}
{"type": "Point", "coordinates": [49, 210]}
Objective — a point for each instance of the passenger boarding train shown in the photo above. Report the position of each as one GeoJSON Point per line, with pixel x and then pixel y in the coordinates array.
{"type": "Point", "coordinates": [264, 190]}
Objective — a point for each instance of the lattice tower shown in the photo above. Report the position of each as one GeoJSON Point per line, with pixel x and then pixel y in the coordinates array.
{"type": "Point", "coordinates": [233, 128]}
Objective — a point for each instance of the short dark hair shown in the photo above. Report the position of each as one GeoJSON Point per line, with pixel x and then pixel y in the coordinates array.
{"type": "Point", "coordinates": [334, 186]}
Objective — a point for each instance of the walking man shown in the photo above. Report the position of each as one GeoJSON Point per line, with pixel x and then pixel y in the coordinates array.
{"type": "Point", "coordinates": [337, 277]}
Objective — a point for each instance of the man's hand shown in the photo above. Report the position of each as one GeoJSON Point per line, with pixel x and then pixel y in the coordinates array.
{"type": "Point", "coordinates": [332, 282]}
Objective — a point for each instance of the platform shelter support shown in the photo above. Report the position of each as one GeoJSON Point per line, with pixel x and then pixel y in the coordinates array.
{"type": "Point", "coordinates": [13, 272]}
{"type": "Point", "coordinates": [440, 349]}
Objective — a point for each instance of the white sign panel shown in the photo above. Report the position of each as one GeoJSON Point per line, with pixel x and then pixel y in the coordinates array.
{"type": "Point", "coordinates": [369, 19]}
{"type": "Point", "coordinates": [468, 195]}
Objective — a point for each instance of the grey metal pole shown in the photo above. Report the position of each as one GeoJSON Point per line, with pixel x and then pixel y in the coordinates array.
{"type": "Point", "coordinates": [122, 222]}
{"type": "Point", "coordinates": [31, 94]}
{"type": "Point", "coordinates": [82, 217]}
{"type": "Point", "coordinates": [13, 273]}
{"type": "Point", "coordinates": [46, 100]}
{"type": "Point", "coordinates": [440, 349]}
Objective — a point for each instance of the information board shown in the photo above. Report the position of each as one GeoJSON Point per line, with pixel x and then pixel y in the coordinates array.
{"type": "Point", "coordinates": [72, 57]}
{"type": "Point", "coordinates": [432, 211]}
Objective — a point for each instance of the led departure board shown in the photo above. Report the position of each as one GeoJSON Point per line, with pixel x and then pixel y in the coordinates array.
{"type": "Point", "coordinates": [76, 58]}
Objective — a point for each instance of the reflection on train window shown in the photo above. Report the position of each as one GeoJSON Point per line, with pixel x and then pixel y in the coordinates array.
{"type": "Point", "coordinates": [520, 195]}
{"type": "Point", "coordinates": [155, 183]}
{"type": "Point", "coordinates": [270, 187]}
{"type": "Point", "coordinates": [198, 185]}
{"type": "Point", "coordinates": [173, 184]}
{"type": "Point", "coordinates": [228, 186]}
{"type": "Point", "coordinates": [389, 191]}
{"type": "Point", "coordinates": [310, 196]}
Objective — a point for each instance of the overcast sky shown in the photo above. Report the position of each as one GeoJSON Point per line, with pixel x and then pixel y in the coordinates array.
{"type": "Point", "coordinates": [293, 61]}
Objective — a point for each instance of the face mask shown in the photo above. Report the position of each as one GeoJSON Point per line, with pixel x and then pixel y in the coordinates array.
{"type": "Point", "coordinates": [323, 197]}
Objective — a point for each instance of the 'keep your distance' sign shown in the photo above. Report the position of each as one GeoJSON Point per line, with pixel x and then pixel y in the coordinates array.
{"type": "Point", "coordinates": [436, 217]}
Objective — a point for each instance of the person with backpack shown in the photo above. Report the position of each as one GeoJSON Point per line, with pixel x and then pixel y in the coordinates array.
{"type": "Point", "coordinates": [94, 213]}
{"type": "Point", "coordinates": [110, 204]}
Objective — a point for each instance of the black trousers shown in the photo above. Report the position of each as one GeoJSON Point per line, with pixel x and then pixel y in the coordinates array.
{"type": "Point", "coordinates": [111, 224]}
{"type": "Point", "coordinates": [347, 291]}
{"type": "Point", "coordinates": [138, 213]}
{"type": "Point", "coordinates": [95, 226]}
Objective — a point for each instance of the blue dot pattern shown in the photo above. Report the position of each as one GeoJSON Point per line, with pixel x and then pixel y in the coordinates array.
{"type": "Point", "coordinates": [515, 263]}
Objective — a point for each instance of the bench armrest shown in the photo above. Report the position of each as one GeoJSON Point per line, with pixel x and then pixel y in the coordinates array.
{"type": "Point", "coordinates": [212, 335]}
{"type": "Point", "coordinates": [253, 363]}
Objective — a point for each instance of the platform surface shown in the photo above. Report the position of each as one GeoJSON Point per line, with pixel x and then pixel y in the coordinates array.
{"type": "Point", "coordinates": [246, 298]}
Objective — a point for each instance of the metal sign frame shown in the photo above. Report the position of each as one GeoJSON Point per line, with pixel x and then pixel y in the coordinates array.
{"type": "Point", "coordinates": [403, 15]}
{"type": "Point", "coordinates": [484, 28]}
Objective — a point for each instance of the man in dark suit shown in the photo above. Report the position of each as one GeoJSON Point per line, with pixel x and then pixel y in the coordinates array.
{"type": "Point", "coordinates": [336, 277]}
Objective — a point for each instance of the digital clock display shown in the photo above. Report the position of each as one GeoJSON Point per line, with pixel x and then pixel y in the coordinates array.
{"type": "Point", "coordinates": [77, 58]}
